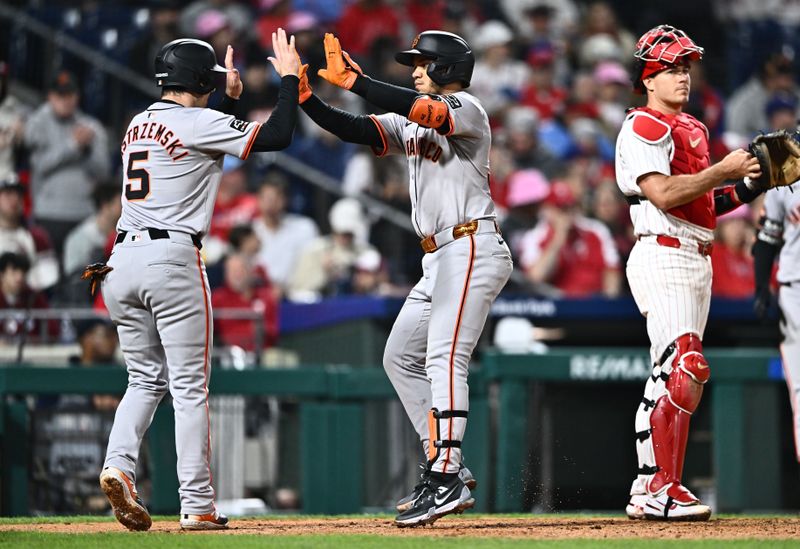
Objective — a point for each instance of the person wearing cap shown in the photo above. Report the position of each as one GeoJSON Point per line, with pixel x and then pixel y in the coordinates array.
{"type": "Point", "coordinates": [526, 190]}
{"type": "Point", "coordinates": [575, 254]}
{"type": "Point", "coordinates": [326, 264]}
{"type": "Point", "coordinates": [542, 91]}
{"type": "Point", "coordinates": [520, 133]}
{"type": "Point", "coordinates": [69, 155]}
{"type": "Point", "coordinates": [19, 236]}
{"type": "Point", "coordinates": [498, 78]}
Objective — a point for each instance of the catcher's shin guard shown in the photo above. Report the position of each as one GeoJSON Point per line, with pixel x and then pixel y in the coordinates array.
{"type": "Point", "coordinates": [672, 394]}
{"type": "Point", "coordinates": [436, 443]}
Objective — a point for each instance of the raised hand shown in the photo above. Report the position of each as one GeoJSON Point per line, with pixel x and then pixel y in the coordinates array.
{"type": "Point", "coordinates": [286, 60]}
{"type": "Point", "coordinates": [341, 70]}
{"type": "Point", "coordinates": [233, 82]}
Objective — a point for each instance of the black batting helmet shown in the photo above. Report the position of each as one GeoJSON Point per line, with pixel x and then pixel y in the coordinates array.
{"type": "Point", "coordinates": [188, 64]}
{"type": "Point", "coordinates": [451, 57]}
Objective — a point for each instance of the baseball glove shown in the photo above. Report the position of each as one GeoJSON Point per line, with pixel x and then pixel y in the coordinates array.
{"type": "Point", "coordinates": [304, 88]}
{"type": "Point", "coordinates": [95, 273]}
{"type": "Point", "coordinates": [778, 155]}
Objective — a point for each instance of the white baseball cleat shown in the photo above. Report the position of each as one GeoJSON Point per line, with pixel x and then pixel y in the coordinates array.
{"type": "Point", "coordinates": [210, 521]}
{"type": "Point", "coordinates": [673, 502]}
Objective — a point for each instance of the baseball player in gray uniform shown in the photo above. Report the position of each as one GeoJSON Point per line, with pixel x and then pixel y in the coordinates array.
{"type": "Point", "coordinates": [780, 233]}
{"type": "Point", "coordinates": [444, 132]}
{"type": "Point", "coordinates": [155, 284]}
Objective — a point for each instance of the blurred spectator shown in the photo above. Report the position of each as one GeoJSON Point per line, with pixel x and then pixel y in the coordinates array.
{"type": "Point", "coordinates": [567, 250]}
{"type": "Point", "coordinates": [746, 109]}
{"type": "Point", "coordinates": [425, 14]}
{"type": "Point", "coordinates": [563, 14]}
{"type": "Point", "coordinates": [521, 126]}
{"type": "Point", "coordinates": [526, 191]}
{"type": "Point", "coordinates": [541, 92]}
{"type": "Point", "coordinates": [707, 105]}
{"type": "Point", "coordinates": [781, 112]}
{"type": "Point", "coordinates": [16, 294]}
{"type": "Point", "coordinates": [98, 341]}
{"type": "Point", "coordinates": [235, 12]}
{"type": "Point", "coordinates": [609, 206]}
{"type": "Point", "coordinates": [69, 155]}
{"type": "Point", "coordinates": [613, 95]}
{"type": "Point", "coordinates": [326, 265]}
{"type": "Point", "coordinates": [370, 276]}
{"type": "Point", "coordinates": [363, 22]}
{"type": "Point", "coordinates": [26, 239]}
{"type": "Point", "coordinates": [273, 14]}
{"type": "Point", "coordinates": [162, 29]}
{"type": "Point", "coordinates": [326, 11]}
{"type": "Point", "coordinates": [498, 78]}
{"type": "Point", "coordinates": [86, 243]}
{"type": "Point", "coordinates": [242, 291]}
{"type": "Point", "coordinates": [283, 235]}
{"type": "Point", "coordinates": [598, 48]}
{"type": "Point", "coordinates": [591, 143]}
{"type": "Point", "coordinates": [600, 22]}
{"type": "Point", "coordinates": [731, 259]}
{"type": "Point", "coordinates": [12, 126]}
{"type": "Point", "coordinates": [234, 206]}
{"type": "Point", "coordinates": [217, 28]}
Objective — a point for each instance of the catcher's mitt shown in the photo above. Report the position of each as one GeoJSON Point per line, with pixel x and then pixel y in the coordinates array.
{"type": "Point", "coordinates": [778, 155]}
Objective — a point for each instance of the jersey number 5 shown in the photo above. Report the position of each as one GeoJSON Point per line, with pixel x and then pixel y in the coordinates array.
{"type": "Point", "coordinates": [140, 176]}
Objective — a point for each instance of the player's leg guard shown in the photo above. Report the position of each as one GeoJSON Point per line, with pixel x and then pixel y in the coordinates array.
{"type": "Point", "coordinates": [435, 442]}
{"type": "Point", "coordinates": [672, 394]}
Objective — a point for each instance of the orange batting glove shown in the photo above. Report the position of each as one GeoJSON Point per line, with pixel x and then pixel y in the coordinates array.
{"type": "Point", "coordinates": [341, 70]}
{"type": "Point", "coordinates": [304, 88]}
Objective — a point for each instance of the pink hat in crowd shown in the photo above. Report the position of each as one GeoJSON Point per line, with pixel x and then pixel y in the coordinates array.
{"type": "Point", "coordinates": [611, 72]}
{"type": "Point", "coordinates": [210, 22]}
{"type": "Point", "coordinates": [300, 21]}
{"type": "Point", "coordinates": [527, 187]}
{"type": "Point", "coordinates": [742, 212]}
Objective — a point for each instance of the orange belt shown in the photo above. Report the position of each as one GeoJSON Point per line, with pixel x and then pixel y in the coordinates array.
{"type": "Point", "coordinates": [435, 241]}
{"type": "Point", "coordinates": [703, 248]}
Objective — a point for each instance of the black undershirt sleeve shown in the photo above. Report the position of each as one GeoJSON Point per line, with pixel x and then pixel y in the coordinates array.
{"type": "Point", "coordinates": [227, 105]}
{"type": "Point", "coordinates": [386, 96]}
{"type": "Point", "coordinates": [763, 257]}
{"type": "Point", "coordinates": [276, 133]}
{"type": "Point", "coordinates": [348, 127]}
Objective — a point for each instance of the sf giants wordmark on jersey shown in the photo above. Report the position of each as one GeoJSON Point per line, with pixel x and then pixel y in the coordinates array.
{"type": "Point", "coordinates": [172, 162]}
{"type": "Point", "coordinates": [449, 174]}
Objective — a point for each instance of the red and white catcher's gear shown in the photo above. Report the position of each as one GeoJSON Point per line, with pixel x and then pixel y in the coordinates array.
{"type": "Point", "coordinates": [671, 395]}
{"type": "Point", "coordinates": [662, 47]}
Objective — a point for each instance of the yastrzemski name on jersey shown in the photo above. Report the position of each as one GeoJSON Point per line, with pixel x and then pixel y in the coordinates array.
{"type": "Point", "coordinates": [172, 163]}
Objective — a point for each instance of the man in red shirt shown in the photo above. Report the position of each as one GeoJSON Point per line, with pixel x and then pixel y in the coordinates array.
{"type": "Point", "coordinates": [242, 292]}
{"type": "Point", "coordinates": [731, 260]}
{"type": "Point", "coordinates": [363, 22]}
{"type": "Point", "coordinates": [575, 254]}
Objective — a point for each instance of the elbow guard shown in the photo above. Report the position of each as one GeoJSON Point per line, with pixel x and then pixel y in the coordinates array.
{"type": "Point", "coordinates": [429, 111]}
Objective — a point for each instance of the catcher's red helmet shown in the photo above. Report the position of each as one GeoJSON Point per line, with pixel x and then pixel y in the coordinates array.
{"type": "Point", "coordinates": [661, 47]}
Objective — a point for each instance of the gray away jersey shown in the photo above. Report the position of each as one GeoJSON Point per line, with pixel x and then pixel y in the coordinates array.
{"type": "Point", "coordinates": [172, 165]}
{"type": "Point", "coordinates": [778, 204]}
{"type": "Point", "coordinates": [449, 174]}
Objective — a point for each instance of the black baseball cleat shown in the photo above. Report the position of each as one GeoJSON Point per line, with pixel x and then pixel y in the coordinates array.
{"type": "Point", "coordinates": [443, 494]}
{"type": "Point", "coordinates": [405, 503]}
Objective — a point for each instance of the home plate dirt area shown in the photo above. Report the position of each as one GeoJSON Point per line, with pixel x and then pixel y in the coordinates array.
{"type": "Point", "coordinates": [545, 527]}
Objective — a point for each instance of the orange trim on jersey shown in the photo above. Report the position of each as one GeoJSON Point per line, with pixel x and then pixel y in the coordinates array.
{"type": "Point", "coordinates": [382, 133]}
{"type": "Point", "coordinates": [205, 365]}
{"type": "Point", "coordinates": [250, 141]}
{"type": "Point", "coordinates": [455, 340]}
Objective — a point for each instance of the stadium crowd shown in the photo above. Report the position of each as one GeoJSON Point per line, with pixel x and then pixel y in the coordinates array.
{"type": "Point", "coordinates": [553, 75]}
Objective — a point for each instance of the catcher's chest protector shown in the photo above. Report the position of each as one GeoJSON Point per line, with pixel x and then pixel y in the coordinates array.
{"type": "Point", "coordinates": [690, 156]}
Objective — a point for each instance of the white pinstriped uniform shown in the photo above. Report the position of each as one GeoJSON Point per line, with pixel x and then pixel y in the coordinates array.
{"type": "Point", "coordinates": [671, 286]}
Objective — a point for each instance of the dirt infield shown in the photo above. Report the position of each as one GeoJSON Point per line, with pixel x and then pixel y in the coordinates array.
{"type": "Point", "coordinates": [477, 527]}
